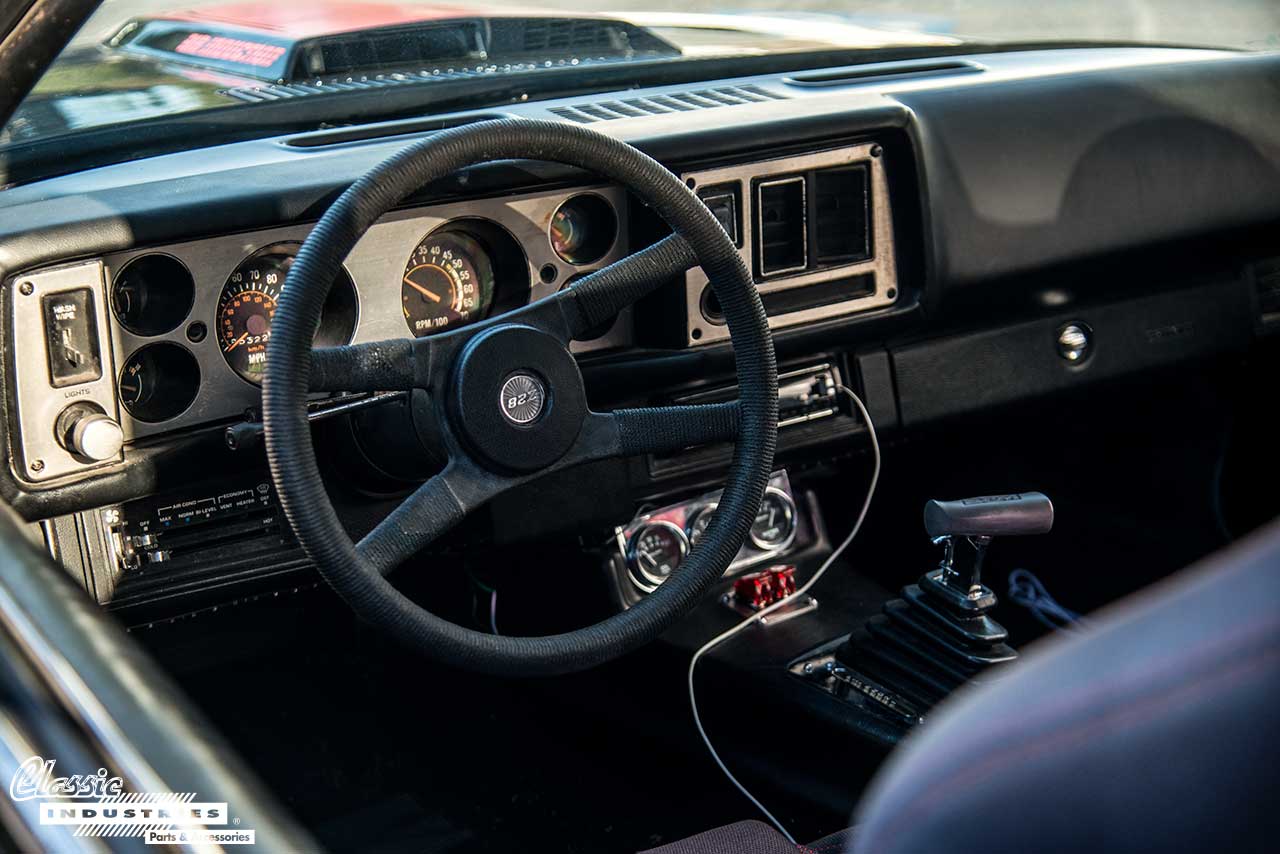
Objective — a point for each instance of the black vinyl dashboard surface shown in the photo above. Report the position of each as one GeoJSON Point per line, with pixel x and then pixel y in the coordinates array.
{"type": "Point", "coordinates": [1016, 162]}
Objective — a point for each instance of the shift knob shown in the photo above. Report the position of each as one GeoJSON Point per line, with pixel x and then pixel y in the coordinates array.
{"type": "Point", "coordinates": [978, 520]}
{"type": "Point", "coordinates": [88, 432]}
{"type": "Point", "coordinates": [990, 516]}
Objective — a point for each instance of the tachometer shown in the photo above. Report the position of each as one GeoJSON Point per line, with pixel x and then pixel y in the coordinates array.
{"type": "Point", "coordinates": [448, 282]}
{"type": "Point", "coordinates": [248, 304]}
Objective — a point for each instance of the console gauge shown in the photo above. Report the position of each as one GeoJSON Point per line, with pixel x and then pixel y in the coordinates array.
{"type": "Point", "coordinates": [698, 522]}
{"type": "Point", "coordinates": [775, 524]}
{"type": "Point", "coordinates": [656, 551]}
{"type": "Point", "coordinates": [248, 304]}
{"type": "Point", "coordinates": [448, 282]}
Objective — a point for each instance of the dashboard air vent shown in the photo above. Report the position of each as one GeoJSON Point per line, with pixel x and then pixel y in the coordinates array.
{"type": "Point", "coordinates": [841, 208]}
{"type": "Point", "coordinates": [673, 102]}
{"type": "Point", "coordinates": [782, 245]}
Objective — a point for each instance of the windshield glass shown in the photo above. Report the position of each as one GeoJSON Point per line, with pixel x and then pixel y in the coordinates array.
{"type": "Point", "coordinates": [140, 60]}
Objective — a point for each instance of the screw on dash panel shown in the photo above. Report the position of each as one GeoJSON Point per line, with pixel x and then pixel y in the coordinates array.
{"type": "Point", "coordinates": [27, 289]}
{"type": "Point", "coordinates": [37, 466]}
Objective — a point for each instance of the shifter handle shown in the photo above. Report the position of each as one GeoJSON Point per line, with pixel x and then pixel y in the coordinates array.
{"type": "Point", "coordinates": [989, 516]}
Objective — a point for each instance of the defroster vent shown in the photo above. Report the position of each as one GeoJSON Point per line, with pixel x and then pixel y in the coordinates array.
{"type": "Point", "coordinates": [672, 102]}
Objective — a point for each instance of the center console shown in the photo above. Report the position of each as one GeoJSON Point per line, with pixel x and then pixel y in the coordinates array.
{"type": "Point", "coordinates": [939, 633]}
{"type": "Point", "coordinates": [853, 675]}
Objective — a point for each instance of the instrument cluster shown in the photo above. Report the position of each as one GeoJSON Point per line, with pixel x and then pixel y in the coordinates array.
{"type": "Point", "coordinates": [192, 321]}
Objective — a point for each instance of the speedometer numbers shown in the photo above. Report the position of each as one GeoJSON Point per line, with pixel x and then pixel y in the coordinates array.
{"type": "Point", "coordinates": [247, 306]}
{"type": "Point", "coordinates": [245, 309]}
{"type": "Point", "coordinates": [448, 282]}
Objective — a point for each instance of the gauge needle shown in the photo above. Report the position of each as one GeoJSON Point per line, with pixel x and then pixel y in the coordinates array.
{"type": "Point", "coordinates": [420, 289]}
{"type": "Point", "coordinates": [237, 342]}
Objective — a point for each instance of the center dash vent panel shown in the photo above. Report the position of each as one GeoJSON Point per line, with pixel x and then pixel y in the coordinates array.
{"type": "Point", "coordinates": [672, 102]}
{"type": "Point", "coordinates": [817, 236]}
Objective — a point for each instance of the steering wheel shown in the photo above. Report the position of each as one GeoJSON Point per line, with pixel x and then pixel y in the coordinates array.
{"type": "Point", "coordinates": [509, 397]}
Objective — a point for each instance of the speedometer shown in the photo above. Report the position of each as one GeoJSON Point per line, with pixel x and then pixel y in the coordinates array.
{"type": "Point", "coordinates": [448, 282]}
{"type": "Point", "coordinates": [248, 304]}
{"type": "Point", "coordinates": [245, 309]}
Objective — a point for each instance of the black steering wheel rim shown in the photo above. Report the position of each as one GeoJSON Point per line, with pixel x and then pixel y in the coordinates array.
{"type": "Point", "coordinates": [288, 382]}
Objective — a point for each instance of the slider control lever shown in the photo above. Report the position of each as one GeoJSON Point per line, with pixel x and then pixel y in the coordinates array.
{"type": "Point", "coordinates": [978, 520]}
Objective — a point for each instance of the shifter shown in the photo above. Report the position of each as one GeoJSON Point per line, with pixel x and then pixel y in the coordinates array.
{"type": "Point", "coordinates": [940, 634]}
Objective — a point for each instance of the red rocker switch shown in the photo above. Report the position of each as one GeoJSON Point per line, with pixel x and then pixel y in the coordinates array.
{"type": "Point", "coordinates": [761, 589]}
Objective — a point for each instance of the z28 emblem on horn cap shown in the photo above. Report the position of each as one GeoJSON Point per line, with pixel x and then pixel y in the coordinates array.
{"type": "Point", "coordinates": [522, 398]}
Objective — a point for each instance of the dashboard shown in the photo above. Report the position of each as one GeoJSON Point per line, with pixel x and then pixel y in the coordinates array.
{"type": "Point", "coordinates": [181, 340]}
{"type": "Point", "coordinates": [923, 231]}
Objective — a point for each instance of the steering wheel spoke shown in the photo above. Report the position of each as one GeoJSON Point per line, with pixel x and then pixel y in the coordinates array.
{"type": "Point", "coordinates": [430, 511]}
{"type": "Point", "coordinates": [599, 296]}
{"type": "Point", "coordinates": [668, 429]}
{"type": "Point", "coordinates": [402, 364]}
{"type": "Point", "coordinates": [655, 430]}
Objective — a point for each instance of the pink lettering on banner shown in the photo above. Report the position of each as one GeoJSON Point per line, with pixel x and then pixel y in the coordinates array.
{"type": "Point", "coordinates": [257, 54]}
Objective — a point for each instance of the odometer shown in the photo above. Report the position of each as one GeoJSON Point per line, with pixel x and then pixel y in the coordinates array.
{"type": "Point", "coordinates": [247, 306]}
{"type": "Point", "coordinates": [448, 282]}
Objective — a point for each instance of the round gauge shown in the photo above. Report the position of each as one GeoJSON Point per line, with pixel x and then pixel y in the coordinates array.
{"type": "Point", "coordinates": [448, 282]}
{"type": "Point", "coordinates": [152, 294]}
{"type": "Point", "coordinates": [775, 524]}
{"type": "Point", "coordinates": [698, 521]}
{"type": "Point", "coordinates": [583, 229]}
{"type": "Point", "coordinates": [245, 309]}
{"type": "Point", "coordinates": [248, 304]}
{"type": "Point", "coordinates": [655, 551]}
{"type": "Point", "coordinates": [158, 382]}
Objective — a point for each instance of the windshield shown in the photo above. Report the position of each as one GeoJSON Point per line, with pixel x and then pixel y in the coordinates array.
{"type": "Point", "coordinates": [143, 60]}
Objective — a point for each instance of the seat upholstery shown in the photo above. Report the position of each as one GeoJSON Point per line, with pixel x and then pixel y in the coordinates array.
{"type": "Point", "coordinates": [752, 837]}
{"type": "Point", "coordinates": [1156, 730]}
{"type": "Point", "coordinates": [743, 837]}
